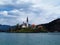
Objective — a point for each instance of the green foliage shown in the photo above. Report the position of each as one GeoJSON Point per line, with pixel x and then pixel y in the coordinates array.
{"type": "Point", "coordinates": [17, 29]}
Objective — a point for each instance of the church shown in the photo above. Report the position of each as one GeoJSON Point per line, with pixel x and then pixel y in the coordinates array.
{"type": "Point", "coordinates": [25, 24]}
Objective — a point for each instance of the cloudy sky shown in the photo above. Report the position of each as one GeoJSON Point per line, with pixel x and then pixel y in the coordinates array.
{"type": "Point", "coordinates": [38, 11]}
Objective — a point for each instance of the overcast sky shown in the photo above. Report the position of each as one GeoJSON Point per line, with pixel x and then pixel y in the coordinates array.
{"type": "Point", "coordinates": [38, 11]}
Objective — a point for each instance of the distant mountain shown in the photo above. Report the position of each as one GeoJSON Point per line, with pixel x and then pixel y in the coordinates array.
{"type": "Point", "coordinates": [4, 27]}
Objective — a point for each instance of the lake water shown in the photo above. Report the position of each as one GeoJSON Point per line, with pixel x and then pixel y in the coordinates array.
{"type": "Point", "coordinates": [29, 38]}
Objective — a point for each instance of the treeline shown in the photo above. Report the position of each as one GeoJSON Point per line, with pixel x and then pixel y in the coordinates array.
{"type": "Point", "coordinates": [27, 30]}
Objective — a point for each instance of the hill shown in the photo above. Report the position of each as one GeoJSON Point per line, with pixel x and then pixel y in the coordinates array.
{"type": "Point", "coordinates": [54, 25]}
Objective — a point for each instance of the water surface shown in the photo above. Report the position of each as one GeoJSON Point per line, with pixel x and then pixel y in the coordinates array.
{"type": "Point", "coordinates": [29, 38]}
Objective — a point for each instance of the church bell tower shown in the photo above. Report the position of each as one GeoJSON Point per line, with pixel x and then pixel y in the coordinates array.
{"type": "Point", "coordinates": [27, 22]}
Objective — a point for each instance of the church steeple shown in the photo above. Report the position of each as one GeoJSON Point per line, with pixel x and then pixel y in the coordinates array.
{"type": "Point", "coordinates": [27, 21]}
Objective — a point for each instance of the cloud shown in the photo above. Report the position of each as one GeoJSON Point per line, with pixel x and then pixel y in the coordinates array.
{"type": "Point", "coordinates": [5, 13]}
{"type": "Point", "coordinates": [38, 11]}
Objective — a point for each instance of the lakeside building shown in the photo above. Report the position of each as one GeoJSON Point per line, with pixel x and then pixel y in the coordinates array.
{"type": "Point", "coordinates": [25, 24]}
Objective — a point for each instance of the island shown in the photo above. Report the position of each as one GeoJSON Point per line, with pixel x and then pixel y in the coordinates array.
{"type": "Point", "coordinates": [25, 27]}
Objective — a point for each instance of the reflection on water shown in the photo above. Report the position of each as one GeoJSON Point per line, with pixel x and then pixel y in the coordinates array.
{"type": "Point", "coordinates": [29, 38]}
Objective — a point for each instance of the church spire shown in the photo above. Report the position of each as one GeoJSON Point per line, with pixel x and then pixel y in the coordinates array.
{"type": "Point", "coordinates": [27, 21]}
